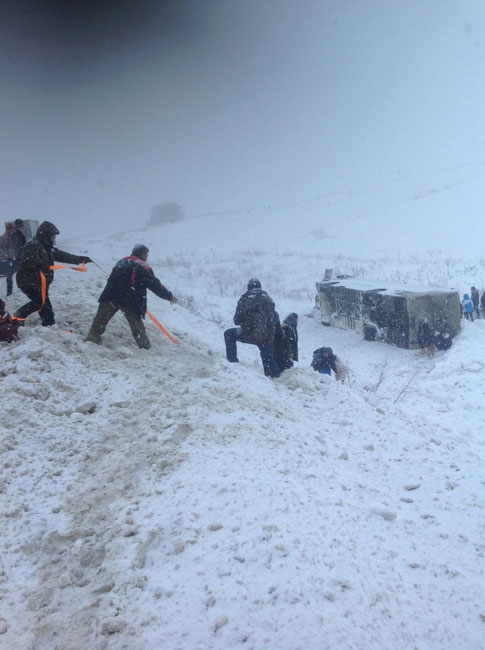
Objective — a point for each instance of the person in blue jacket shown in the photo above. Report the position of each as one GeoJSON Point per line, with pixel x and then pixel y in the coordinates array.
{"type": "Point", "coordinates": [468, 308]}
{"type": "Point", "coordinates": [126, 291]}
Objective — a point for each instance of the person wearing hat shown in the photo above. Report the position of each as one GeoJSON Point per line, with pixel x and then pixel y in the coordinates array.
{"type": "Point", "coordinates": [38, 257]}
{"type": "Point", "coordinates": [256, 321]}
{"type": "Point", "coordinates": [126, 291]}
{"type": "Point", "coordinates": [11, 246]}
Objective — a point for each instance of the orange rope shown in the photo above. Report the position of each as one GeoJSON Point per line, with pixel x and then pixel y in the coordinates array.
{"type": "Point", "coordinates": [161, 328]}
{"type": "Point", "coordinates": [43, 289]}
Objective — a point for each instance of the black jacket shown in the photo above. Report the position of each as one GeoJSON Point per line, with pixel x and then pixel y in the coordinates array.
{"type": "Point", "coordinates": [425, 335]}
{"type": "Point", "coordinates": [39, 254]}
{"type": "Point", "coordinates": [255, 313]}
{"type": "Point", "coordinates": [18, 242]}
{"type": "Point", "coordinates": [11, 245]}
{"type": "Point", "coordinates": [475, 296]}
{"type": "Point", "coordinates": [286, 342]}
{"type": "Point", "coordinates": [128, 283]}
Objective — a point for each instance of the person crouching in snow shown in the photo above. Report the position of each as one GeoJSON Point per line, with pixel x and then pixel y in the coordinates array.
{"type": "Point", "coordinates": [8, 326]}
{"type": "Point", "coordinates": [426, 337]}
{"type": "Point", "coordinates": [443, 335]}
{"type": "Point", "coordinates": [324, 361]}
{"type": "Point", "coordinates": [126, 291]}
{"type": "Point", "coordinates": [286, 342]}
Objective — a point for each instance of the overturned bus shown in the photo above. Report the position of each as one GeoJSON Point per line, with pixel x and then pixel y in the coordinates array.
{"type": "Point", "coordinates": [383, 311]}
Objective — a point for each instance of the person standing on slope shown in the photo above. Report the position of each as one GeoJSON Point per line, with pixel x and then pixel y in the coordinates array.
{"type": "Point", "coordinates": [11, 246]}
{"type": "Point", "coordinates": [126, 291]}
{"type": "Point", "coordinates": [467, 305]}
{"type": "Point", "coordinates": [255, 321]}
{"type": "Point", "coordinates": [35, 273]}
{"type": "Point", "coordinates": [475, 297]}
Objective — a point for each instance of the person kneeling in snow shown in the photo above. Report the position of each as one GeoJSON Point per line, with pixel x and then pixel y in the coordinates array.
{"type": "Point", "coordinates": [256, 320]}
{"type": "Point", "coordinates": [8, 326]}
{"type": "Point", "coordinates": [324, 361]}
{"type": "Point", "coordinates": [126, 291]}
{"type": "Point", "coordinates": [426, 337]}
{"type": "Point", "coordinates": [443, 335]}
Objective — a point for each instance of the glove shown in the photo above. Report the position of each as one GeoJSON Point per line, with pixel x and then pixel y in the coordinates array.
{"type": "Point", "coordinates": [86, 260]}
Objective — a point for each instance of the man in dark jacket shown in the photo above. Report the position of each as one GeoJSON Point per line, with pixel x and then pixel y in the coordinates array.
{"type": "Point", "coordinates": [35, 273]}
{"type": "Point", "coordinates": [18, 239]}
{"type": "Point", "coordinates": [443, 335]}
{"type": "Point", "coordinates": [256, 320]}
{"type": "Point", "coordinates": [11, 246]}
{"type": "Point", "coordinates": [126, 291]}
{"type": "Point", "coordinates": [475, 296]}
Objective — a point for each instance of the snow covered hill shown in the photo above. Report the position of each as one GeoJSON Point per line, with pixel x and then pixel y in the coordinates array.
{"type": "Point", "coordinates": [164, 498]}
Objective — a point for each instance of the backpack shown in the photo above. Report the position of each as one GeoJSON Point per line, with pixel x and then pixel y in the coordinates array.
{"type": "Point", "coordinates": [259, 317]}
{"type": "Point", "coordinates": [9, 328]}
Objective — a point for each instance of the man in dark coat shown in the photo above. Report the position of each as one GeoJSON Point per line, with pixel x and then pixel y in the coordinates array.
{"type": "Point", "coordinates": [18, 239]}
{"type": "Point", "coordinates": [255, 319]}
{"type": "Point", "coordinates": [126, 291]}
{"type": "Point", "coordinates": [475, 296]}
{"type": "Point", "coordinates": [11, 246]}
{"type": "Point", "coordinates": [426, 337]}
{"type": "Point", "coordinates": [35, 273]}
{"type": "Point", "coordinates": [443, 335]}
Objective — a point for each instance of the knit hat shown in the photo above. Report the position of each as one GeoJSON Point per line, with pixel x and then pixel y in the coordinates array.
{"type": "Point", "coordinates": [254, 283]}
{"type": "Point", "coordinates": [19, 223]}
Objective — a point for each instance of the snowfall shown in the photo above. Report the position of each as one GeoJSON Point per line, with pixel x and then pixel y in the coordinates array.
{"type": "Point", "coordinates": [166, 499]}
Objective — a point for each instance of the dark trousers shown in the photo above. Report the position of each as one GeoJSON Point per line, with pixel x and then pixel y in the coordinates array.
{"type": "Point", "coordinates": [266, 350]}
{"type": "Point", "coordinates": [106, 311]}
{"type": "Point", "coordinates": [46, 313]}
{"type": "Point", "coordinates": [9, 268]}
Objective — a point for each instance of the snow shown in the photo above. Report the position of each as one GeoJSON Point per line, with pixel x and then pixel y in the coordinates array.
{"type": "Point", "coordinates": [164, 498]}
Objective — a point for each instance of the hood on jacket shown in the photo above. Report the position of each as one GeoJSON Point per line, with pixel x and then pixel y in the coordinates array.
{"type": "Point", "coordinates": [466, 296]}
{"type": "Point", "coordinates": [291, 320]}
{"type": "Point", "coordinates": [46, 230]}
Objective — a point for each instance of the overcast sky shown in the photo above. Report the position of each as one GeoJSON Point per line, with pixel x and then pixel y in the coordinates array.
{"type": "Point", "coordinates": [227, 104]}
